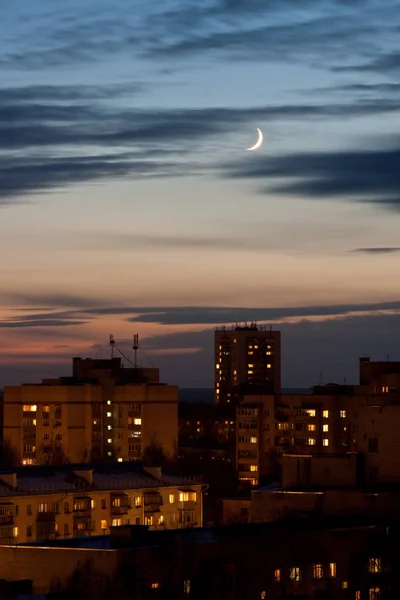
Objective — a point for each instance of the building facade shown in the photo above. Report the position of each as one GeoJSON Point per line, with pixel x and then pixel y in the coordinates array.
{"type": "Point", "coordinates": [244, 354]}
{"type": "Point", "coordinates": [40, 503]}
{"type": "Point", "coordinates": [320, 423]}
{"type": "Point", "coordinates": [102, 412]}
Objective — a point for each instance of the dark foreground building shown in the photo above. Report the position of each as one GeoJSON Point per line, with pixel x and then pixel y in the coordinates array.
{"type": "Point", "coordinates": [302, 560]}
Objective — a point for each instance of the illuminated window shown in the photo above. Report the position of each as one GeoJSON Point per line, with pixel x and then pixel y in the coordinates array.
{"type": "Point", "coordinates": [358, 595]}
{"type": "Point", "coordinates": [256, 347]}
{"type": "Point", "coordinates": [109, 402]}
{"type": "Point", "coordinates": [46, 408]}
{"type": "Point", "coordinates": [325, 442]}
{"type": "Point", "coordinates": [92, 504]}
{"type": "Point", "coordinates": [120, 460]}
{"type": "Point", "coordinates": [311, 427]}
{"type": "Point", "coordinates": [268, 353]}
{"type": "Point", "coordinates": [269, 366]}
{"type": "Point", "coordinates": [263, 595]}
{"type": "Point", "coordinates": [109, 414]}
{"type": "Point", "coordinates": [161, 519]}
{"type": "Point", "coordinates": [109, 453]}
{"type": "Point", "coordinates": [253, 468]}
{"type": "Point", "coordinates": [325, 427]}
{"type": "Point", "coordinates": [187, 496]}
{"type": "Point", "coordinates": [29, 408]}
{"type": "Point", "coordinates": [250, 372]}
{"type": "Point", "coordinates": [155, 586]}
{"type": "Point", "coordinates": [311, 442]}
{"type": "Point", "coordinates": [343, 414]}
{"type": "Point", "coordinates": [345, 585]}
{"type": "Point", "coordinates": [277, 575]}
{"type": "Point", "coordinates": [325, 414]}
{"type": "Point", "coordinates": [332, 569]}
{"type": "Point", "coordinates": [103, 524]}
{"type": "Point", "coordinates": [42, 508]}
{"type": "Point", "coordinates": [374, 593]}
{"type": "Point", "coordinates": [374, 565]}
{"type": "Point", "coordinates": [15, 532]}
{"type": "Point", "coordinates": [186, 583]}
{"type": "Point", "coordinates": [116, 523]}
{"type": "Point", "coordinates": [250, 353]}
{"type": "Point", "coordinates": [294, 574]}
{"type": "Point", "coordinates": [317, 572]}
{"type": "Point", "coordinates": [137, 501]}
{"type": "Point", "coordinates": [234, 341]}
{"type": "Point", "coordinates": [34, 422]}
{"type": "Point", "coordinates": [109, 427]}
{"type": "Point", "coordinates": [310, 413]}
{"type": "Point", "coordinates": [109, 441]}
{"type": "Point", "coordinates": [94, 421]}
{"type": "Point", "coordinates": [137, 421]}
{"type": "Point", "coordinates": [253, 440]}
{"type": "Point", "coordinates": [171, 498]}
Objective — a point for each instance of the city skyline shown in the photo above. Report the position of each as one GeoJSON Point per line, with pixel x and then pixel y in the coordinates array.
{"type": "Point", "coordinates": [129, 205]}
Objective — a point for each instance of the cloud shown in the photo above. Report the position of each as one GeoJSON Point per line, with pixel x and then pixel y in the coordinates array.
{"type": "Point", "coordinates": [371, 176]}
{"type": "Point", "coordinates": [39, 323]}
{"type": "Point", "coordinates": [386, 63]}
{"type": "Point", "coordinates": [197, 315]}
{"type": "Point", "coordinates": [382, 250]}
{"type": "Point", "coordinates": [66, 93]}
{"type": "Point", "coordinates": [126, 143]}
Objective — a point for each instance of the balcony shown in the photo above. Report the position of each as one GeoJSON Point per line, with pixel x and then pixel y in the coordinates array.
{"type": "Point", "coordinates": [120, 504]}
{"type": "Point", "coordinates": [82, 506]}
{"type": "Point", "coordinates": [7, 535]}
{"type": "Point", "coordinates": [8, 511]}
{"type": "Point", "coordinates": [46, 517]}
{"type": "Point", "coordinates": [83, 526]}
{"type": "Point", "coordinates": [152, 502]}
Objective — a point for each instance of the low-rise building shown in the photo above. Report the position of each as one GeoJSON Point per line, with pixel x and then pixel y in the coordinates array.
{"type": "Point", "coordinates": [39, 503]}
{"type": "Point", "coordinates": [340, 559]}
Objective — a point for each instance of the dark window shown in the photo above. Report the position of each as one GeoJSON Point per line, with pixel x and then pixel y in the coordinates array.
{"type": "Point", "coordinates": [373, 445]}
{"type": "Point", "coordinates": [29, 509]}
{"type": "Point", "coordinates": [103, 504]}
{"type": "Point", "coordinates": [29, 531]}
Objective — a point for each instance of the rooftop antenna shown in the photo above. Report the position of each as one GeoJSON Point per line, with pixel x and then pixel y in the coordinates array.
{"type": "Point", "coordinates": [112, 344]}
{"type": "Point", "coordinates": [135, 348]}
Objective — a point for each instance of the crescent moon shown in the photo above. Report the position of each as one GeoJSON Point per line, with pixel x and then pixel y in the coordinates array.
{"type": "Point", "coordinates": [258, 142]}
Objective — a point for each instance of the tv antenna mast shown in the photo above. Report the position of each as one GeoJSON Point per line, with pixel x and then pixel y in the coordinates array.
{"type": "Point", "coordinates": [135, 348]}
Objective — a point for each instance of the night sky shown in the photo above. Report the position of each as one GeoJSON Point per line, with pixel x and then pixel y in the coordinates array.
{"type": "Point", "coordinates": [129, 205]}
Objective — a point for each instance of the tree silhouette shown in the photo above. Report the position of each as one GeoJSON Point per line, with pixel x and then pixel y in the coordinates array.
{"type": "Point", "coordinates": [9, 456]}
{"type": "Point", "coordinates": [51, 453]}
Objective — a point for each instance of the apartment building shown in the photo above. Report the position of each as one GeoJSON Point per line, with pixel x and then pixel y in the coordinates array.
{"type": "Point", "coordinates": [39, 503]}
{"type": "Point", "coordinates": [243, 354]}
{"type": "Point", "coordinates": [382, 376]}
{"type": "Point", "coordinates": [335, 419]}
{"type": "Point", "coordinates": [102, 412]}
